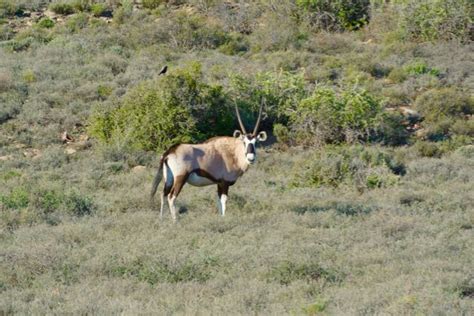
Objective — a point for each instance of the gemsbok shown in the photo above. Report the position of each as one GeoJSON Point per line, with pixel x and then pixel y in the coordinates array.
{"type": "Point", "coordinates": [219, 160]}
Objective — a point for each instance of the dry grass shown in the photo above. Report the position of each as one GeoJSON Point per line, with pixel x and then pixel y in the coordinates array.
{"type": "Point", "coordinates": [409, 251]}
{"type": "Point", "coordinates": [77, 234]}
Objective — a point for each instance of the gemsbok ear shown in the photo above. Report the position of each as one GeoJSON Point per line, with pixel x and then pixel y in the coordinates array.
{"type": "Point", "coordinates": [237, 133]}
{"type": "Point", "coordinates": [262, 136]}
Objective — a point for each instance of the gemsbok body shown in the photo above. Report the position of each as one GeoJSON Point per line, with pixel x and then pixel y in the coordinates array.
{"type": "Point", "coordinates": [219, 161]}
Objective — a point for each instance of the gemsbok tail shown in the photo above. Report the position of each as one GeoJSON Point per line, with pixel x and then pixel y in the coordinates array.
{"type": "Point", "coordinates": [156, 181]}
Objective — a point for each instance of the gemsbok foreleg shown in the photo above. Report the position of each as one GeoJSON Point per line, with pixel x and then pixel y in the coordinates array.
{"type": "Point", "coordinates": [222, 191]}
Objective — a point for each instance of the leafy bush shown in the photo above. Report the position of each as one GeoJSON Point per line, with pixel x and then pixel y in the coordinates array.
{"type": "Point", "coordinates": [328, 117]}
{"type": "Point", "coordinates": [46, 23]}
{"type": "Point", "coordinates": [336, 15]}
{"type": "Point", "coordinates": [11, 105]}
{"type": "Point", "coordinates": [6, 32]}
{"type": "Point", "coordinates": [277, 32]}
{"type": "Point", "coordinates": [124, 12]}
{"type": "Point", "coordinates": [62, 8]}
{"type": "Point", "coordinates": [82, 5]}
{"type": "Point", "coordinates": [152, 271]}
{"type": "Point", "coordinates": [26, 38]}
{"type": "Point", "coordinates": [235, 44]}
{"type": "Point", "coordinates": [6, 82]}
{"type": "Point", "coordinates": [427, 149]}
{"type": "Point", "coordinates": [10, 8]}
{"type": "Point", "coordinates": [18, 198]}
{"type": "Point", "coordinates": [397, 75]}
{"type": "Point", "coordinates": [430, 20]}
{"type": "Point", "coordinates": [79, 205]}
{"type": "Point", "coordinates": [364, 168]}
{"type": "Point", "coordinates": [391, 130]}
{"type": "Point", "coordinates": [437, 149]}
{"type": "Point", "coordinates": [179, 107]}
{"type": "Point", "coordinates": [282, 133]}
{"type": "Point", "coordinates": [463, 127]}
{"type": "Point", "coordinates": [184, 30]}
{"type": "Point", "coordinates": [47, 201]}
{"type": "Point", "coordinates": [153, 4]}
{"type": "Point", "coordinates": [288, 271]}
{"type": "Point", "coordinates": [77, 22]}
{"type": "Point", "coordinates": [280, 91]}
{"type": "Point", "coordinates": [445, 112]}
{"type": "Point", "coordinates": [419, 67]}
{"type": "Point", "coordinates": [98, 9]}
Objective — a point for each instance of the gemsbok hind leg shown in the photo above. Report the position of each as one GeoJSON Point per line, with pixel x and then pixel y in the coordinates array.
{"type": "Point", "coordinates": [222, 191]}
{"type": "Point", "coordinates": [164, 194]}
{"type": "Point", "coordinates": [179, 181]}
{"type": "Point", "coordinates": [168, 177]}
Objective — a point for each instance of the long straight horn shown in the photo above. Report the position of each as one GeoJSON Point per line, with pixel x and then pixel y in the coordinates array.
{"type": "Point", "coordinates": [255, 130]}
{"type": "Point", "coordinates": [239, 119]}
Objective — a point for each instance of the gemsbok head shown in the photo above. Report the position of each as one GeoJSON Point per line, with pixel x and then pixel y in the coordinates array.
{"type": "Point", "coordinates": [219, 160]}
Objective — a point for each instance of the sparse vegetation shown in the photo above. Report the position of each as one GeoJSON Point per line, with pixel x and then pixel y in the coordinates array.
{"type": "Point", "coordinates": [360, 203]}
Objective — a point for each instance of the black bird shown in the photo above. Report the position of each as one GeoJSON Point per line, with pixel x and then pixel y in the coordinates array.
{"type": "Point", "coordinates": [163, 70]}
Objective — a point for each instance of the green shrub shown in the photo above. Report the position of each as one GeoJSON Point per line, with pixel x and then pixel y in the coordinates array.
{"type": "Point", "coordinates": [277, 32]}
{"type": "Point", "coordinates": [6, 32]}
{"type": "Point", "coordinates": [430, 20]}
{"type": "Point", "coordinates": [29, 36]}
{"type": "Point", "coordinates": [6, 82]}
{"type": "Point", "coordinates": [152, 271]}
{"type": "Point", "coordinates": [98, 9]}
{"type": "Point", "coordinates": [153, 4]}
{"type": "Point", "coordinates": [62, 8]}
{"type": "Point", "coordinates": [364, 168]}
{"type": "Point", "coordinates": [124, 12]}
{"type": "Point", "coordinates": [11, 105]}
{"type": "Point", "coordinates": [18, 198]}
{"type": "Point", "coordinates": [10, 8]}
{"type": "Point", "coordinates": [82, 5]}
{"type": "Point", "coordinates": [466, 151]}
{"type": "Point", "coordinates": [427, 149]}
{"type": "Point", "coordinates": [328, 117]}
{"type": "Point", "coordinates": [280, 91]}
{"type": "Point", "coordinates": [179, 107]}
{"type": "Point", "coordinates": [79, 205]}
{"type": "Point", "coordinates": [397, 75]}
{"type": "Point", "coordinates": [445, 112]}
{"type": "Point", "coordinates": [47, 201]}
{"type": "Point", "coordinates": [455, 142]}
{"type": "Point", "coordinates": [104, 91]}
{"type": "Point", "coordinates": [391, 130]}
{"type": "Point", "coordinates": [185, 30]}
{"type": "Point", "coordinates": [439, 148]}
{"type": "Point", "coordinates": [315, 308]}
{"type": "Point", "coordinates": [282, 133]}
{"type": "Point", "coordinates": [463, 127]}
{"type": "Point", "coordinates": [236, 44]}
{"type": "Point", "coordinates": [336, 15]}
{"type": "Point", "coordinates": [288, 271]}
{"type": "Point", "coordinates": [437, 104]}
{"type": "Point", "coordinates": [46, 23]}
{"type": "Point", "coordinates": [77, 22]}
{"type": "Point", "coordinates": [7, 8]}
{"type": "Point", "coordinates": [419, 67]}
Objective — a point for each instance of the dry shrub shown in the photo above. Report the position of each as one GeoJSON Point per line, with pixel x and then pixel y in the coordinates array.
{"type": "Point", "coordinates": [6, 81]}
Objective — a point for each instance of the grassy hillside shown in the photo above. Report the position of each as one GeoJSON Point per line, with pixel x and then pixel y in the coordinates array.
{"type": "Point", "coordinates": [361, 203]}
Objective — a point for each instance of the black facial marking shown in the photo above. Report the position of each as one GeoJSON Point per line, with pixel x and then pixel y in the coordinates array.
{"type": "Point", "coordinates": [250, 149]}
